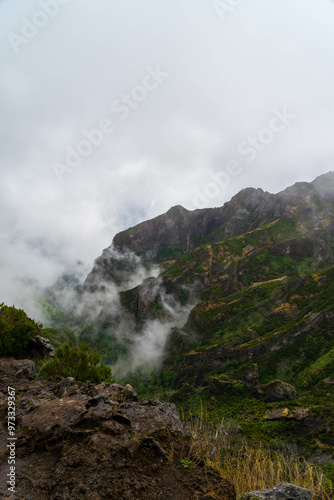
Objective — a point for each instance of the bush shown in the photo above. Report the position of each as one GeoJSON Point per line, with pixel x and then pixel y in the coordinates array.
{"type": "Point", "coordinates": [79, 362]}
{"type": "Point", "coordinates": [16, 329]}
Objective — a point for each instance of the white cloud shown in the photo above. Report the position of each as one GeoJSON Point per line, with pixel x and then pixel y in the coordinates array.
{"type": "Point", "coordinates": [224, 80]}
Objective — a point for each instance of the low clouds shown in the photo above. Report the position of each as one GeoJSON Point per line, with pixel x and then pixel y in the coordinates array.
{"type": "Point", "coordinates": [224, 79]}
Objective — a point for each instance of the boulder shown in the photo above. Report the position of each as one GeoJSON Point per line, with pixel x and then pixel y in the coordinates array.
{"type": "Point", "coordinates": [282, 491]}
{"type": "Point", "coordinates": [269, 393]}
{"type": "Point", "coordinates": [223, 386]}
{"type": "Point", "coordinates": [151, 416]}
{"type": "Point", "coordinates": [277, 414]}
{"type": "Point", "coordinates": [277, 391]}
{"type": "Point", "coordinates": [117, 392]}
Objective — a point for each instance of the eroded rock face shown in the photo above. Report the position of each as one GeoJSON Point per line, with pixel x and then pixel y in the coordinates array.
{"type": "Point", "coordinates": [41, 348]}
{"type": "Point", "coordinates": [270, 393]}
{"type": "Point", "coordinates": [76, 440]}
{"type": "Point", "coordinates": [17, 367]}
{"type": "Point", "coordinates": [277, 391]}
{"type": "Point", "coordinates": [224, 386]}
{"type": "Point", "coordinates": [282, 491]}
{"type": "Point", "coordinates": [151, 416]}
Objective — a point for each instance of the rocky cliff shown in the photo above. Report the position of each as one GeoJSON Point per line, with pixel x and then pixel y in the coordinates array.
{"type": "Point", "coordinates": [76, 440]}
{"type": "Point", "coordinates": [308, 207]}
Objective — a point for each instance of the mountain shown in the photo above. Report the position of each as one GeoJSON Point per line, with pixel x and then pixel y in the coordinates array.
{"type": "Point", "coordinates": [257, 277]}
{"type": "Point", "coordinates": [305, 210]}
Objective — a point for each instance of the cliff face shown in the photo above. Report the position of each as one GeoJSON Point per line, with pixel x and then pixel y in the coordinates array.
{"type": "Point", "coordinates": [307, 206]}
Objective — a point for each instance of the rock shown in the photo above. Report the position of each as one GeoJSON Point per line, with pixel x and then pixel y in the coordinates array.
{"type": "Point", "coordinates": [282, 491]}
{"type": "Point", "coordinates": [299, 413]}
{"type": "Point", "coordinates": [19, 367]}
{"type": "Point", "coordinates": [152, 416]}
{"type": "Point", "coordinates": [118, 392]}
{"type": "Point", "coordinates": [41, 348]}
{"type": "Point", "coordinates": [66, 385]}
{"type": "Point", "coordinates": [277, 391]}
{"type": "Point", "coordinates": [328, 382]}
{"type": "Point", "coordinates": [87, 446]}
{"type": "Point", "coordinates": [59, 416]}
{"type": "Point", "coordinates": [270, 393]}
{"type": "Point", "coordinates": [277, 414]}
{"type": "Point", "coordinates": [251, 375]}
{"type": "Point", "coordinates": [224, 386]}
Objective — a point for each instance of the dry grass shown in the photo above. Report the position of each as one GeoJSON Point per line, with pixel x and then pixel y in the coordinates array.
{"type": "Point", "coordinates": [252, 467]}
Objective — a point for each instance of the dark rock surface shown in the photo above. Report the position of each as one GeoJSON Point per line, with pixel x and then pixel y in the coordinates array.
{"type": "Point", "coordinates": [76, 440]}
{"type": "Point", "coordinates": [277, 391]}
{"type": "Point", "coordinates": [41, 348]}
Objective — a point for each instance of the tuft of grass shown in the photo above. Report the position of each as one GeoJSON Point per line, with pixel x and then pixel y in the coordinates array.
{"type": "Point", "coordinates": [251, 467]}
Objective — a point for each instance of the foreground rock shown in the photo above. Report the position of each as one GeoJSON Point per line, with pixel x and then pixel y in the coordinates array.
{"type": "Point", "coordinates": [282, 491]}
{"type": "Point", "coordinates": [80, 441]}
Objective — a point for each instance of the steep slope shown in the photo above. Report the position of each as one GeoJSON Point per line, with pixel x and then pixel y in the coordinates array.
{"type": "Point", "coordinates": [260, 271]}
{"type": "Point", "coordinates": [307, 207]}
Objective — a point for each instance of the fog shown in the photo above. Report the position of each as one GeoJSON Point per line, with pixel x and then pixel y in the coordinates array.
{"type": "Point", "coordinates": [113, 111]}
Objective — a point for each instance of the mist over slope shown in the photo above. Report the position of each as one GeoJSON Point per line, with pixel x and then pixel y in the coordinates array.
{"type": "Point", "coordinates": [149, 286]}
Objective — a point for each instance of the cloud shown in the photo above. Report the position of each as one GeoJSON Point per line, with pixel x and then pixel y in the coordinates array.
{"type": "Point", "coordinates": [225, 79]}
{"type": "Point", "coordinates": [147, 346]}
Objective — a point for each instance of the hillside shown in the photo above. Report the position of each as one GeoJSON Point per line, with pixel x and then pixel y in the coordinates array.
{"type": "Point", "coordinates": [257, 277]}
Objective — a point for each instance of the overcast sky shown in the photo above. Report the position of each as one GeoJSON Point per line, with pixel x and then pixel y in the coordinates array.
{"type": "Point", "coordinates": [196, 100]}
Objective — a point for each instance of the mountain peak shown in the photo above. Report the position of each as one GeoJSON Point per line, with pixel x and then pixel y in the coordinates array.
{"type": "Point", "coordinates": [177, 209]}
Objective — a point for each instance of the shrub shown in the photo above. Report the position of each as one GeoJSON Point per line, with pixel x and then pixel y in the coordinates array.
{"type": "Point", "coordinates": [79, 362]}
{"type": "Point", "coordinates": [16, 329]}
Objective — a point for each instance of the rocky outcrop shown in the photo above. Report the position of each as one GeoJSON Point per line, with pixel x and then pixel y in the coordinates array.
{"type": "Point", "coordinates": [76, 440]}
{"type": "Point", "coordinates": [276, 391]}
{"type": "Point", "coordinates": [41, 348]}
{"type": "Point", "coordinates": [282, 491]}
{"type": "Point", "coordinates": [285, 414]}
{"type": "Point", "coordinates": [10, 367]}
{"type": "Point", "coordinates": [223, 386]}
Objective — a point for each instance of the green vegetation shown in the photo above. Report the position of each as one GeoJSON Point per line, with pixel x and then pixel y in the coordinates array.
{"type": "Point", "coordinates": [79, 362]}
{"type": "Point", "coordinates": [16, 330]}
{"type": "Point", "coordinates": [252, 466]}
{"type": "Point", "coordinates": [56, 317]}
{"type": "Point", "coordinates": [102, 337]}
{"type": "Point", "coordinates": [59, 336]}
{"type": "Point", "coordinates": [169, 253]}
